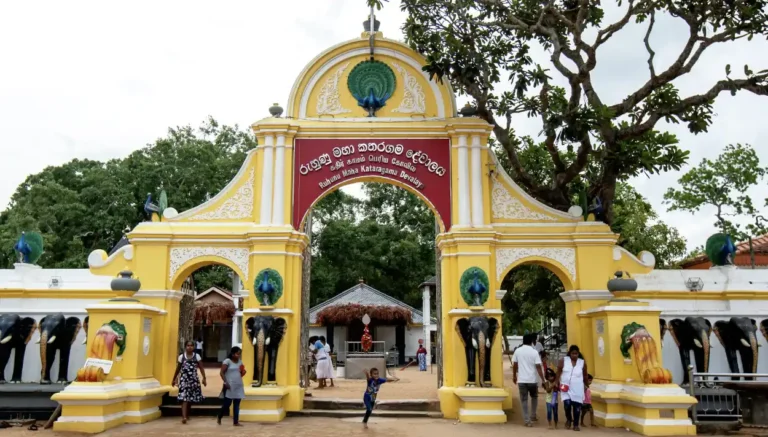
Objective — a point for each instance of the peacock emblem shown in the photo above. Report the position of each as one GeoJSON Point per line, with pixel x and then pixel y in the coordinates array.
{"type": "Point", "coordinates": [720, 250]}
{"type": "Point", "coordinates": [371, 83]}
{"type": "Point", "coordinates": [268, 287]}
{"type": "Point", "coordinates": [594, 208]}
{"type": "Point", "coordinates": [474, 286]}
{"type": "Point", "coordinates": [29, 247]}
{"type": "Point", "coordinates": [477, 289]}
{"type": "Point", "coordinates": [151, 208]}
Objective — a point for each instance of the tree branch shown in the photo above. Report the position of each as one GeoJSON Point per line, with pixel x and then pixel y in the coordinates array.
{"type": "Point", "coordinates": [647, 42]}
{"type": "Point", "coordinates": [752, 85]}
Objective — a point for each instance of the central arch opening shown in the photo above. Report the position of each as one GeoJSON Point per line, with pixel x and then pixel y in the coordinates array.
{"type": "Point", "coordinates": [372, 252]}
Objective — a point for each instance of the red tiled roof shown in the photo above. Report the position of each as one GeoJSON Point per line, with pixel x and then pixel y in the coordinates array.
{"type": "Point", "coordinates": [759, 244]}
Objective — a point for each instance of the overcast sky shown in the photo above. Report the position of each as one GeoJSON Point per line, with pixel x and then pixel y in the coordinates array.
{"type": "Point", "coordinates": [97, 80]}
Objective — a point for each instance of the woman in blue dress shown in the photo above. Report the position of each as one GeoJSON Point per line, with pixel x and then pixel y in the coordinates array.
{"type": "Point", "coordinates": [232, 372]}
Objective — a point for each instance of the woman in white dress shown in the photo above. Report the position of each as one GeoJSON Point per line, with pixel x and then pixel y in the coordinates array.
{"type": "Point", "coordinates": [324, 367]}
{"type": "Point", "coordinates": [571, 380]}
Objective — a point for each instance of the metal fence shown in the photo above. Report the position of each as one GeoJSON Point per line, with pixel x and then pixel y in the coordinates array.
{"type": "Point", "coordinates": [356, 347]}
{"type": "Point", "coordinates": [716, 403]}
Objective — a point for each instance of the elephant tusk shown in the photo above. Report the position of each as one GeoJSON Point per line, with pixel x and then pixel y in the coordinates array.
{"type": "Point", "coordinates": [5, 340]}
{"type": "Point", "coordinates": [266, 343]}
{"type": "Point", "coordinates": [52, 339]}
{"type": "Point", "coordinates": [254, 341]}
{"type": "Point", "coordinates": [38, 341]}
{"type": "Point", "coordinates": [85, 340]}
{"type": "Point", "coordinates": [745, 343]}
{"type": "Point", "coordinates": [474, 343]}
{"type": "Point", "coordinates": [698, 343]}
{"type": "Point", "coordinates": [487, 343]}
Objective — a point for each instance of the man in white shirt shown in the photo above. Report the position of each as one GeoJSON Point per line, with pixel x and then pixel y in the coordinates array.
{"type": "Point", "coordinates": [527, 364]}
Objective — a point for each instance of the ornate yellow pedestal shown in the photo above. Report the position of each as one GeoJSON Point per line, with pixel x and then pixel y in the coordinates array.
{"type": "Point", "coordinates": [130, 393]}
{"type": "Point", "coordinates": [271, 401]}
{"type": "Point", "coordinates": [471, 404]}
{"type": "Point", "coordinates": [620, 397]}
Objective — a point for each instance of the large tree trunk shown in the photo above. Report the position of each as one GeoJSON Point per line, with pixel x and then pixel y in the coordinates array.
{"type": "Point", "coordinates": [438, 311]}
{"type": "Point", "coordinates": [305, 283]}
{"type": "Point", "coordinates": [186, 313]}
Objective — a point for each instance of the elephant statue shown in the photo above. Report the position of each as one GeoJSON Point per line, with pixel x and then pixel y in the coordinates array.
{"type": "Point", "coordinates": [85, 329]}
{"type": "Point", "coordinates": [111, 334]}
{"type": "Point", "coordinates": [57, 333]}
{"type": "Point", "coordinates": [477, 334]}
{"type": "Point", "coordinates": [636, 337]}
{"type": "Point", "coordinates": [739, 334]}
{"type": "Point", "coordinates": [15, 333]}
{"type": "Point", "coordinates": [692, 334]}
{"type": "Point", "coordinates": [764, 328]}
{"type": "Point", "coordinates": [266, 333]}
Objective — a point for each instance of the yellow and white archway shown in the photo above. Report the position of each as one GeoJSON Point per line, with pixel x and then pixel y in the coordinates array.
{"type": "Point", "coordinates": [488, 223]}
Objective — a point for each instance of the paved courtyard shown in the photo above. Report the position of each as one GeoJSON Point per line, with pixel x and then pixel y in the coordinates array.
{"type": "Point", "coordinates": [321, 427]}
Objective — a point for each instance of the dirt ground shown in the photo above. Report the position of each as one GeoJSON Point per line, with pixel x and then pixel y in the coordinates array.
{"type": "Point", "coordinates": [412, 385]}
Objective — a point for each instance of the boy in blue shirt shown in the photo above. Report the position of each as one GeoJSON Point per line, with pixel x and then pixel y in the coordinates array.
{"type": "Point", "coordinates": [373, 382]}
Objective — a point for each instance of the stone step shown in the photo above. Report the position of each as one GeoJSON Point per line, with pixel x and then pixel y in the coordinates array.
{"type": "Point", "coordinates": [196, 410]}
{"type": "Point", "coordinates": [361, 412]}
{"type": "Point", "coordinates": [329, 404]}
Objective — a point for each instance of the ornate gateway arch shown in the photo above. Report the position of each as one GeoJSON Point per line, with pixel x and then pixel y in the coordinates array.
{"type": "Point", "coordinates": [326, 139]}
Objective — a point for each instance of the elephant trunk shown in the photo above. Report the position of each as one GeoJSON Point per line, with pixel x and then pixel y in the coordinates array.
{"type": "Point", "coordinates": [704, 345]}
{"type": "Point", "coordinates": [481, 356]}
{"type": "Point", "coordinates": [753, 347]}
{"type": "Point", "coordinates": [43, 354]}
{"type": "Point", "coordinates": [260, 343]}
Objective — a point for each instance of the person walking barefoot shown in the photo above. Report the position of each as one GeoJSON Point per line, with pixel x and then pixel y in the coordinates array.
{"type": "Point", "coordinates": [373, 382]}
{"type": "Point", "coordinates": [232, 372]}
{"type": "Point", "coordinates": [187, 380]}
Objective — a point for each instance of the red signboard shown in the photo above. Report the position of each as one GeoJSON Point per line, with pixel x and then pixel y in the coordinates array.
{"type": "Point", "coordinates": [321, 165]}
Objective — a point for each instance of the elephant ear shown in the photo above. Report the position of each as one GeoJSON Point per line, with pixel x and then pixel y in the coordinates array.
{"type": "Point", "coordinates": [249, 325]}
{"type": "Point", "coordinates": [73, 327]}
{"type": "Point", "coordinates": [675, 324]}
{"type": "Point", "coordinates": [279, 328]}
{"type": "Point", "coordinates": [720, 325]}
{"type": "Point", "coordinates": [462, 327]}
{"type": "Point", "coordinates": [28, 327]}
{"type": "Point", "coordinates": [493, 329]}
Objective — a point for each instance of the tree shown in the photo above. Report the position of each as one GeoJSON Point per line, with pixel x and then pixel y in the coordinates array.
{"type": "Point", "coordinates": [534, 291]}
{"type": "Point", "coordinates": [86, 205]}
{"type": "Point", "coordinates": [723, 184]}
{"type": "Point", "coordinates": [483, 48]}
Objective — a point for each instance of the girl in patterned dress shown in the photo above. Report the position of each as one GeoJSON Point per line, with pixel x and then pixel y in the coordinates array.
{"type": "Point", "coordinates": [187, 380]}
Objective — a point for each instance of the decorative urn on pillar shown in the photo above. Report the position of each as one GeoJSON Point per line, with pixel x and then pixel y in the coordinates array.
{"type": "Point", "coordinates": [367, 25]}
{"type": "Point", "coordinates": [618, 283]}
{"type": "Point", "coordinates": [125, 285]}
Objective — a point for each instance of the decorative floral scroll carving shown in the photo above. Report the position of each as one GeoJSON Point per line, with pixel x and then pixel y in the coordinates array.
{"type": "Point", "coordinates": [328, 102]}
{"type": "Point", "coordinates": [564, 256]}
{"type": "Point", "coordinates": [506, 206]}
{"type": "Point", "coordinates": [181, 255]}
{"type": "Point", "coordinates": [414, 101]}
{"type": "Point", "coordinates": [238, 206]}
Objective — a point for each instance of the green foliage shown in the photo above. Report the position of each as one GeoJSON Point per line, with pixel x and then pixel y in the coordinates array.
{"type": "Point", "coordinates": [85, 205]}
{"type": "Point", "coordinates": [214, 275]}
{"type": "Point", "coordinates": [466, 281]}
{"type": "Point", "coordinates": [274, 279]}
{"type": "Point", "coordinates": [723, 184]}
{"type": "Point", "coordinates": [483, 48]}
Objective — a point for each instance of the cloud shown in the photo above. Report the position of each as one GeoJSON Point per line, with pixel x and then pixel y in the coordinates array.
{"type": "Point", "coordinates": [99, 80]}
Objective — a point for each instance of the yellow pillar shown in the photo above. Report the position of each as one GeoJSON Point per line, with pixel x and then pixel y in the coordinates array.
{"type": "Point", "coordinates": [620, 397]}
{"type": "Point", "coordinates": [130, 393]}
{"type": "Point", "coordinates": [462, 250]}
